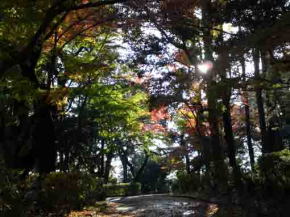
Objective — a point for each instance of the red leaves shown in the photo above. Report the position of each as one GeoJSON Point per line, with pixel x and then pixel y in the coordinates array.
{"type": "Point", "coordinates": [154, 128]}
{"type": "Point", "coordinates": [85, 23]}
{"type": "Point", "coordinates": [160, 113]}
{"type": "Point", "coordinates": [157, 115]}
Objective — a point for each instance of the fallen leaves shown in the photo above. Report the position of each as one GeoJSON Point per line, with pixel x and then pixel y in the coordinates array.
{"type": "Point", "coordinates": [110, 211]}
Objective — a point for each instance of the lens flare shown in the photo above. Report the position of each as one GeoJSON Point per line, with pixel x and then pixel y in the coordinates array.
{"type": "Point", "coordinates": [205, 67]}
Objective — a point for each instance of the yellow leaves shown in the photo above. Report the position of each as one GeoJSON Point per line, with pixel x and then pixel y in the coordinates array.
{"type": "Point", "coordinates": [77, 76]}
{"type": "Point", "coordinates": [58, 97]}
{"type": "Point", "coordinates": [61, 103]}
{"type": "Point", "coordinates": [223, 28]}
{"type": "Point", "coordinates": [212, 209]}
{"type": "Point", "coordinates": [186, 111]}
{"type": "Point", "coordinates": [217, 30]}
{"type": "Point", "coordinates": [139, 98]}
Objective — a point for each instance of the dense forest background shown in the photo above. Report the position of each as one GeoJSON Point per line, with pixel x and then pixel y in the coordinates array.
{"type": "Point", "coordinates": [190, 96]}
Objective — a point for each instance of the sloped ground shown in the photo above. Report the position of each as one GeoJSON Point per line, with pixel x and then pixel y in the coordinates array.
{"type": "Point", "coordinates": [152, 206]}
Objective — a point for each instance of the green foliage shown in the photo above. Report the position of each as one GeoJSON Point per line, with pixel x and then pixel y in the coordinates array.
{"type": "Point", "coordinates": [69, 191]}
{"type": "Point", "coordinates": [186, 183]}
{"type": "Point", "coordinates": [122, 189]}
{"type": "Point", "coordinates": [11, 192]}
{"type": "Point", "coordinates": [153, 179]}
{"type": "Point", "coordinates": [274, 169]}
{"type": "Point", "coordinates": [99, 106]}
{"type": "Point", "coordinates": [60, 192]}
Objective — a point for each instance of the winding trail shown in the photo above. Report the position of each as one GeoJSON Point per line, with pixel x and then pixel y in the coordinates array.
{"type": "Point", "coordinates": [159, 205]}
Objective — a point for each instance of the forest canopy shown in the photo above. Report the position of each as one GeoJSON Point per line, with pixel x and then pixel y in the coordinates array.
{"type": "Point", "coordinates": [190, 89]}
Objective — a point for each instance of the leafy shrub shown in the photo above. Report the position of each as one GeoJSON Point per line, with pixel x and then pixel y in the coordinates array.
{"type": "Point", "coordinates": [122, 189]}
{"type": "Point", "coordinates": [69, 190]}
{"type": "Point", "coordinates": [274, 170]}
{"type": "Point", "coordinates": [12, 191]}
{"type": "Point", "coordinates": [134, 188]}
{"type": "Point", "coordinates": [186, 183]}
{"type": "Point", "coordinates": [59, 192]}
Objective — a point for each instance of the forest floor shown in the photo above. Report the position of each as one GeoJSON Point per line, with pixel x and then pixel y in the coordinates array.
{"type": "Point", "coordinates": [153, 205]}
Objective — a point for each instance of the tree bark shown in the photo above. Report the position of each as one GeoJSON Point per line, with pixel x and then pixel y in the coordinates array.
{"type": "Point", "coordinates": [223, 69]}
{"type": "Point", "coordinates": [124, 160]}
{"type": "Point", "coordinates": [108, 167]}
{"type": "Point", "coordinates": [140, 171]}
{"type": "Point", "coordinates": [187, 160]}
{"type": "Point", "coordinates": [44, 146]}
{"type": "Point", "coordinates": [102, 159]}
{"type": "Point", "coordinates": [248, 120]}
{"type": "Point", "coordinates": [229, 137]}
{"type": "Point", "coordinates": [260, 102]}
{"type": "Point", "coordinates": [220, 171]}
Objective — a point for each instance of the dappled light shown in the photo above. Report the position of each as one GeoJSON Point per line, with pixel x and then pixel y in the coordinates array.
{"type": "Point", "coordinates": [144, 108]}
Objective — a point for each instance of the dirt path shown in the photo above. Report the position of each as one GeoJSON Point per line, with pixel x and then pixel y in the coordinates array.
{"type": "Point", "coordinates": [159, 206]}
{"type": "Point", "coordinates": [153, 205]}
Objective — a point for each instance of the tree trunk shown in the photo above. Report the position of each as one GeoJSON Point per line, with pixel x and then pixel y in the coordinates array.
{"type": "Point", "coordinates": [220, 171]}
{"type": "Point", "coordinates": [260, 102]}
{"type": "Point", "coordinates": [102, 159]}
{"type": "Point", "coordinates": [187, 161]}
{"type": "Point", "coordinates": [124, 160]}
{"type": "Point", "coordinates": [229, 137]}
{"type": "Point", "coordinates": [248, 120]}
{"type": "Point", "coordinates": [125, 170]}
{"type": "Point", "coordinates": [140, 171]}
{"type": "Point", "coordinates": [223, 69]}
{"type": "Point", "coordinates": [44, 139]}
{"type": "Point", "coordinates": [108, 167]}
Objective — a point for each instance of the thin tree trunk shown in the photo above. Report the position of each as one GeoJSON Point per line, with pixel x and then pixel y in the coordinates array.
{"type": "Point", "coordinates": [102, 163]}
{"type": "Point", "coordinates": [223, 66]}
{"type": "Point", "coordinates": [248, 120]}
{"type": "Point", "coordinates": [187, 161]}
{"type": "Point", "coordinates": [108, 167]}
{"type": "Point", "coordinates": [229, 137]}
{"type": "Point", "coordinates": [140, 171]}
{"type": "Point", "coordinates": [131, 168]}
{"type": "Point", "coordinates": [124, 160]}
{"type": "Point", "coordinates": [125, 171]}
{"type": "Point", "coordinates": [260, 102]}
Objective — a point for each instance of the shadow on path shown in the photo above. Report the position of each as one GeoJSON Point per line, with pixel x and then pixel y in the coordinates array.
{"type": "Point", "coordinates": [160, 205]}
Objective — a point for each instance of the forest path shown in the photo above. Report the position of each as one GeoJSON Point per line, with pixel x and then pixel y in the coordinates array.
{"type": "Point", "coordinates": [158, 205]}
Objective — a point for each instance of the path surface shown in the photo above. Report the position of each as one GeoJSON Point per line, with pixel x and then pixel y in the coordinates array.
{"type": "Point", "coordinates": [159, 206]}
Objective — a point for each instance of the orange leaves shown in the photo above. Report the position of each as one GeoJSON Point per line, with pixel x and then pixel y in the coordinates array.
{"type": "Point", "coordinates": [135, 79]}
{"type": "Point", "coordinates": [85, 23]}
{"type": "Point", "coordinates": [192, 119]}
{"type": "Point", "coordinates": [157, 115]}
{"type": "Point", "coordinates": [160, 113]}
{"type": "Point", "coordinates": [191, 123]}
